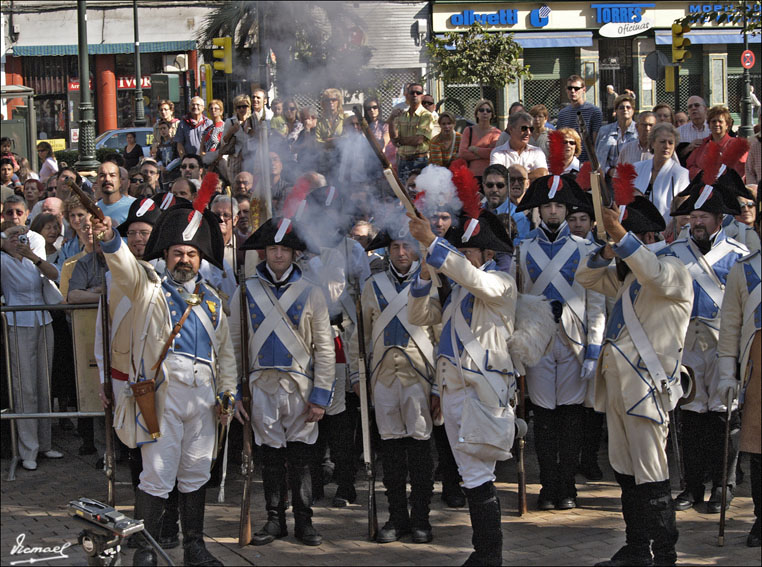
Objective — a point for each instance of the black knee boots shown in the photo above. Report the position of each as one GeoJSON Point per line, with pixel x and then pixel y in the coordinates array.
{"type": "Point", "coordinates": [755, 472]}
{"type": "Point", "coordinates": [546, 447]}
{"type": "Point", "coordinates": [421, 469]}
{"type": "Point", "coordinates": [661, 522]}
{"type": "Point", "coordinates": [394, 457]}
{"type": "Point", "coordinates": [192, 522]}
{"type": "Point", "coordinates": [299, 456]}
{"type": "Point", "coordinates": [487, 538]}
{"type": "Point", "coordinates": [151, 510]}
{"type": "Point", "coordinates": [273, 474]}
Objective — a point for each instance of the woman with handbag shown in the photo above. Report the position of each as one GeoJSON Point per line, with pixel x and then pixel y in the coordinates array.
{"type": "Point", "coordinates": [27, 281]}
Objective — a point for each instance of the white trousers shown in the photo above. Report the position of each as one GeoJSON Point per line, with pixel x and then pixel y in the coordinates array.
{"type": "Point", "coordinates": [30, 370]}
{"type": "Point", "coordinates": [707, 374]}
{"type": "Point", "coordinates": [184, 450]}
{"type": "Point", "coordinates": [555, 380]}
{"type": "Point", "coordinates": [279, 418]}
{"type": "Point", "coordinates": [402, 411]}
{"type": "Point", "coordinates": [473, 471]}
{"type": "Point", "coordinates": [637, 445]}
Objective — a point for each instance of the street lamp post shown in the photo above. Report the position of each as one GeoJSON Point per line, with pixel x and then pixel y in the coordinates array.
{"type": "Point", "coordinates": [747, 129]}
{"type": "Point", "coordinates": [140, 117]}
{"type": "Point", "coordinates": [86, 161]}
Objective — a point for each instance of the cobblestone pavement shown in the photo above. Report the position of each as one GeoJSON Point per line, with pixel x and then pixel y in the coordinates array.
{"type": "Point", "coordinates": [35, 505]}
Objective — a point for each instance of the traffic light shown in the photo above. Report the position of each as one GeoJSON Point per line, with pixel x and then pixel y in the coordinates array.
{"type": "Point", "coordinates": [223, 57]}
{"type": "Point", "coordinates": [680, 43]}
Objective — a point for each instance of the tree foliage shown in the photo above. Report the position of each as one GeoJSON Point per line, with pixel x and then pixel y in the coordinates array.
{"type": "Point", "coordinates": [479, 57]}
{"type": "Point", "coordinates": [731, 13]}
{"type": "Point", "coordinates": [315, 45]}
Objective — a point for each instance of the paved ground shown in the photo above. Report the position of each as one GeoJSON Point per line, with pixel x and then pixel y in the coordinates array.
{"type": "Point", "coordinates": [35, 505]}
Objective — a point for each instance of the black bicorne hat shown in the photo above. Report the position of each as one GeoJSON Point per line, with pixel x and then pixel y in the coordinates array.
{"type": "Point", "coordinates": [719, 198]}
{"type": "Point", "coordinates": [489, 235]}
{"type": "Point", "coordinates": [167, 199]}
{"type": "Point", "coordinates": [553, 189]}
{"type": "Point", "coordinates": [274, 232]}
{"type": "Point", "coordinates": [175, 221]}
{"type": "Point", "coordinates": [642, 216]}
{"type": "Point", "coordinates": [141, 210]}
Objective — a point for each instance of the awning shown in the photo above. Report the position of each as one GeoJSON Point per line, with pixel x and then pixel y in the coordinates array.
{"type": "Point", "coordinates": [550, 39]}
{"type": "Point", "coordinates": [664, 37]}
{"type": "Point", "coordinates": [104, 48]}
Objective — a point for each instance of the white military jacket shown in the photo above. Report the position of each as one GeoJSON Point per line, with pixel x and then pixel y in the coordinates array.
{"type": "Point", "coordinates": [482, 304]}
{"type": "Point", "coordinates": [152, 325]}
{"type": "Point", "coordinates": [548, 269]}
{"type": "Point", "coordinates": [295, 351]}
{"type": "Point", "coordinates": [741, 316]}
{"type": "Point", "coordinates": [396, 349]}
{"type": "Point", "coordinates": [660, 291]}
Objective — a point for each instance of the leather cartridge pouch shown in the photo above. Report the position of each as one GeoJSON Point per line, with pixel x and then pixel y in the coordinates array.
{"type": "Point", "coordinates": [145, 396]}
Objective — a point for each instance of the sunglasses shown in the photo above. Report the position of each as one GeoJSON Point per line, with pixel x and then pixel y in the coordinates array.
{"type": "Point", "coordinates": [575, 89]}
{"type": "Point", "coordinates": [570, 143]}
{"type": "Point", "coordinates": [525, 129]}
{"type": "Point", "coordinates": [333, 99]}
{"type": "Point", "coordinates": [188, 166]}
{"type": "Point", "coordinates": [225, 217]}
{"type": "Point", "coordinates": [485, 110]}
{"type": "Point", "coordinates": [517, 179]}
{"type": "Point", "coordinates": [136, 180]}
{"type": "Point", "coordinates": [490, 185]}
{"type": "Point", "coordinates": [375, 107]}
{"type": "Point", "coordinates": [415, 93]}
{"type": "Point", "coordinates": [746, 204]}
{"type": "Point", "coordinates": [242, 107]}
{"type": "Point", "coordinates": [428, 103]}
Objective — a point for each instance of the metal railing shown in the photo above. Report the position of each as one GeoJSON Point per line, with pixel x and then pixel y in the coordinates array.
{"type": "Point", "coordinates": [11, 413]}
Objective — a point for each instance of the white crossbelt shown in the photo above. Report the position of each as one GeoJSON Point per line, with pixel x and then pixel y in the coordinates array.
{"type": "Point", "coordinates": [397, 307]}
{"type": "Point", "coordinates": [755, 295]}
{"type": "Point", "coordinates": [551, 274]}
{"type": "Point", "coordinates": [700, 267]}
{"type": "Point", "coordinates": [475, 350]}
{"type": "Point", "coordinates": [642, 344]}
{"type": "Point", "coordinates": [276, 320]}
{"type": "Point", "coordinates": [207, 324]}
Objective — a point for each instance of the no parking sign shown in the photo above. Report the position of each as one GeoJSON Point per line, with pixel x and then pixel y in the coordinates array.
{"type": "Point", "coordinates": [747, 59]}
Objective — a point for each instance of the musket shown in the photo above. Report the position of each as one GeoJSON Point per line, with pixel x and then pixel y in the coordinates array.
{"type": "Point", "coordinates": [521, 414]}
{"type": "Point", "coordinates": [87, 203]}
{"type": "Point", "coordinates": [598, 188]}
{"type": "Point", "coordinates": [247, 463]}
{"type": "Point", "coordinates": [370, 472]}
{"type": "Point", "coordinates": [393, 180]}
{"type": "Point", "coordinates": [724, 501]}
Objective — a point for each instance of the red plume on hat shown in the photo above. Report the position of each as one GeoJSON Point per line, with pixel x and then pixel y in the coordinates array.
{"type": "Point", "coordinates": [468, 193]}
{"type": "Point", "coordinates": [583, 176]}
{"type": "Point", "coordinates": [733, 153]}
{"type": "Point", "coordinates": [710, 164]}
{"type": "Point", "coordinates": [208, 188]}
{"type": "Point", "coordinates": [293, 207]}
{"type": "Point", "coordinates": [624, 187]}
{"type": "Point", "coordinates": [556, 162]}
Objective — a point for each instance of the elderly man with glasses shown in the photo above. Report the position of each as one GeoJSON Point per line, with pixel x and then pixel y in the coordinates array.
{"type": "Point", "coordinates": [411, 132]}
{"type": "Point", "coordinates": [518, 150]}
{"type": "Point", "coordinates": [190, 130]}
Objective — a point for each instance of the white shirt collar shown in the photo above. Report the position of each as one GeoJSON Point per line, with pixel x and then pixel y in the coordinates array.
{"type": "Point", "coordinates": [283, 278]}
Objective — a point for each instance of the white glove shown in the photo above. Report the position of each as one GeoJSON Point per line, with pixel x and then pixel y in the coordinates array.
{"type": "Point", "coordinates": [725, 386]}
{"type": "Point", "coordinates": [588, 369]}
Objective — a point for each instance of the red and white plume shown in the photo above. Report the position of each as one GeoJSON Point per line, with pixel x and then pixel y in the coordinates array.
{"type": "Point", "coordinates": [624, 186]}
{"type": "Point", "coordinates": [293, 207]}
{"type": "Point", "coordinates": [468, 193]}
{"type": "Point", "coordinates": [733, 152]}
{"type": "Point", "coordinates": [555, 162]}
{"type": "Point", "coordinates": [208, 188]}
{"type": "Point", "coordinates": [583, 176]}
{"type": "Point", "coordinates": [710, 166]}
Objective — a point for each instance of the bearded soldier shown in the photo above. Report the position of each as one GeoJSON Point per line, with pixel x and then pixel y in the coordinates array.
{"type": "Point", "coordinates": [181, 364]}
{"type": "Point", "coordinates": [708, 254]}
{"type": "Point", "coordinates": [739, 343]}
{"type": "Point", "coordinates": [638, 378]}
{"type": "Point", "coordinates": [473, 366]}
{"type": "Point", "coordinates": [291, 375]}
{"type": "Point", "coordinates": [401, 363]}
{"type": "Point", "coordinates": [548, 260]}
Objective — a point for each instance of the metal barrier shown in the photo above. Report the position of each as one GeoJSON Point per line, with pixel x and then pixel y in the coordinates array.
{"type": "Point", "coordinates": [11, 413]}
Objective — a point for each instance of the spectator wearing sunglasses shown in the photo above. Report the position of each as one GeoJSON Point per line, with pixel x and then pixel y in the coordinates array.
{"type": "Point", "coordinates": [518, 150]}
{"type": "Point", "coordinates": [479, 140]}
{"type": "Point", "coordinates": [498, 184]}
{"type": "Point", "coordinates": [567, 116]}
{"type": "Point", "coordinates": [288, 124]}
{"type": "Point", "coordinates": [410, 131]}
{"type": "Point", "coordinates": [377, 127]}
{"type": "Point", "coordinates": [190, 167]}
{"type": "Point", "coordinates": [428, 103]}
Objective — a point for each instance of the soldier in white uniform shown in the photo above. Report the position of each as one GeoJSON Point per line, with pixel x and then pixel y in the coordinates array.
{"type": "Point", "coordinates": [549, 258]}
{"type": "Point", "coordinates": [183, 345]}
{"type": "Point", "coordinates": [291, 375]}
{"type": "Point", "coordinates": [401, 361]}
{"type": "Point", "coordinates": [473, 366]}
{"type": "Point", "coordinates": [635, 386]}
{"type": "Point", "coordinates": [708, 254]}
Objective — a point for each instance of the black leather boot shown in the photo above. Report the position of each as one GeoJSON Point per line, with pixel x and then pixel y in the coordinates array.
{"type": "Point", "coordinates": [591, 441]}
{"type": "Point", "coordinates": [755, 473]}
{"type": "Point", "coordinates": [660, 520]}
{"type": "Point", "coordinates": [394, 457]}
{"type": "Point", "coordinates": [170, 527]}
{"type": "Point", "coordinates": [273, 473]}
{"type": "Point", "coordinates": [299, 456]}
{"type": "Point", "coordinates": [421, 467]}
{"type": "Point", "coordinates": [697, 446]}
{"type": "Point", "coordinates": [714, 504]}
{"type": "Point", "coordinates": [546, 447]}
{"type": "Point", "coordinates": [341, 442]}
{"type": "Point", "coordinates": [570, 423]}
{"type": "Point", "coordinates": [150, 509]}
{"type": "Point", "coordinates": [487, 538]}
{"type": "Point", "coordinates": [192, 522]}
{"type": "Point", "coordinates": [637, 549]}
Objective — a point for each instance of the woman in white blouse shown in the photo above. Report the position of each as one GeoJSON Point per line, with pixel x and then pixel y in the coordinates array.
{"type": "Point", "coordinates": [661, 177]}
{"type": "Point", "coordinates": [47, 161]}
{"type": "Point", "coordinates": [30, 337]}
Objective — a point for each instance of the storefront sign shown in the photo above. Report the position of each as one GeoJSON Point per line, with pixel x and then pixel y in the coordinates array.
{"type": "Point", "coordinates": [613, 29]}
{"type": "Point", "coordinates": [499, 18]}
{"type": "Point", "coordinates": [619, 13]}
{"type": "Point", "coordinates": [122, 83]}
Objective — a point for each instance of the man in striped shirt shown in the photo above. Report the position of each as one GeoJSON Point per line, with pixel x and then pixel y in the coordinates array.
{"type": "Point", "coordinates": [567, 116]}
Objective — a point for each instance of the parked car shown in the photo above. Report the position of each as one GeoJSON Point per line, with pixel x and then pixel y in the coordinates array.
{"type": "Point", "coordinates": [117, 139]}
